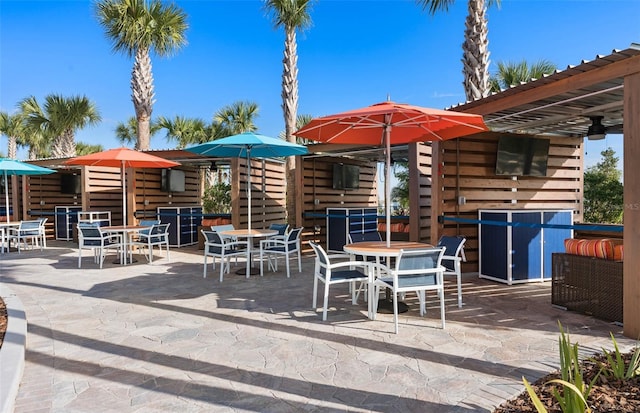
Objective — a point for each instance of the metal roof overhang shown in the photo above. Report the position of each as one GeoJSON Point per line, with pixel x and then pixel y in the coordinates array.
{"type": "Point", "coordinates": [562, 103]}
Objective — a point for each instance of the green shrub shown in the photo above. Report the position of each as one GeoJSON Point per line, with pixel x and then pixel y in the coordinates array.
{"type": "Point", "coordinates": [616, 365]}
{"type": "Point", "coordinates": [217, 199]}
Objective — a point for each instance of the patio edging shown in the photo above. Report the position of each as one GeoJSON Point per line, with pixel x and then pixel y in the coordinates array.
{"type": "Point", "coordinates": [12, 352]}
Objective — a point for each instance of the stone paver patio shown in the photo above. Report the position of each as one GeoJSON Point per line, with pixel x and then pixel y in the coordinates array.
{"type": "Point", "coordinates": [160, 338]}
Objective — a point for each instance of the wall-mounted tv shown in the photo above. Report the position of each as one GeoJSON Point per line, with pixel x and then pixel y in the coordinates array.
{"type": "Point", "coordinates": [522, 156]}
{"type": "Point", "coordinates": [346, 176]}
{"type": "Point", "coordinates": [172, 180]}
{"type": "Point", "coordinates": [70, 184]}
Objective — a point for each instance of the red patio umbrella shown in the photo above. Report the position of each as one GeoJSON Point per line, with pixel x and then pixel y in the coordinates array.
{"type": "Point", "coordinates": [389, 123]}
{"type": "Point", "coordinates": [122, 158]}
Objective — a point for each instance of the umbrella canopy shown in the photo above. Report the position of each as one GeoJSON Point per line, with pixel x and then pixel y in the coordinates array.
{"type": "Point", "coordinates": [122, 158]}
{"type": "Point", "coordinates": [13, 167]}
{"type": "Point", "coordinates": [389, 123]}
{"type": "Point", "coordinates": [248, 145]}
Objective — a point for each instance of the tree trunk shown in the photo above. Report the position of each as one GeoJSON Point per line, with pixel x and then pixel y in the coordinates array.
{"type": "Point", "coordinates": [290, 109]}
{"type": "Point", "coordinates": [475, 52]}
{"type": "Point", "coordinates": [12, 148]}
{"type": "Point", "coordinates": [64, 146]}
{"type": "Point", "coordinates": [142, 97]}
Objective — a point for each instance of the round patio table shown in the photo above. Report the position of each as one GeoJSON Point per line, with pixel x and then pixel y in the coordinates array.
{"type": "Point", "coordinates": [249, 234]}
{"type": "Point", "coordinates": [380, 249]}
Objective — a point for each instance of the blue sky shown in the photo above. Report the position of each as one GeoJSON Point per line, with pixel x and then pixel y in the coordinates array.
{"type": "Point", "coordinates": [356, 53]}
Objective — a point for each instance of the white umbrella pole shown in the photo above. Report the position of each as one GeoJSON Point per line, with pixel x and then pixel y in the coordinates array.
{"type": "Point", "coordinates": [124, 195]}
{"type": "Point", "coordinates": [6, 194]}
{"type": "Point", "coordinates": [249, 185]}
{"type": "Point", "coordinates": [387, 182]}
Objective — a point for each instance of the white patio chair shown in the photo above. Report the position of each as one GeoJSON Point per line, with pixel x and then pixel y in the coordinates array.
{"type": "Point", "coordinates": [29, 232]}
{"type": "Point", "coordinates": [91, 237]}
{"type": "Point", "coordinates": [272, 248]}
{"type": "Point", "coordinates": [331, 273]}
{"type": "Point", "coordinates": [452, 258]}
{"type": "Point", "coordinates": [416, 270]}
{"type": "Point", "coordinates": [217, 247]}
{"type": "Point", "coordinates": [157, 235]}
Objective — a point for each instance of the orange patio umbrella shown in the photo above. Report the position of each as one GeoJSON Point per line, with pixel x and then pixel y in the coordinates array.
{"type": "Point", "coordinates": [389, 123]}
{"type": "Point", "coordinates": [122, 158]}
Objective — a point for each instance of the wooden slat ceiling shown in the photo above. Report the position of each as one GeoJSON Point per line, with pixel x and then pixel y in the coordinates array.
{"type": "Point", "coordinates": [566, 112]}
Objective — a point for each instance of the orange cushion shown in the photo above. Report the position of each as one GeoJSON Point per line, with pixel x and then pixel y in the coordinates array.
{"type": "Point", "coordinates": [407, 228]}
{"type": "Point", "coordinates": [382, 227]}
{"type": "Point", "coordinates": [209, 222]}
{"type": "Point", "coordinates": [572, 246]}
{"type": "Point", "coordinates": [618, 252]}
{"type": "Point", "coordinates": [599, 248]}
{"type": "Point", "coordinates": [398, 227]}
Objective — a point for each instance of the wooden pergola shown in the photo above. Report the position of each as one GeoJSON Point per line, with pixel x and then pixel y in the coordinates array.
{"type": "Point", "coordinates": [563, 103]}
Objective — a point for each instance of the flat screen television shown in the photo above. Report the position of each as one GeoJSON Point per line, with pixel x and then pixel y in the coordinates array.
{"type": "Point", "coordinates": [346, 176]}
{"type": "Point", "coordinates": [522, 156]}
{"type": "Point", "coordinates": [172, 180]}
{"type": "Point", "coordinates": [70, 184]}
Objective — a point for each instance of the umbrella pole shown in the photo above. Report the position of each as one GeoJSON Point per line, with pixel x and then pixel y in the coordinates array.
{"type": "Point", "coordinates": [6, 194]}
{"type": "Point", "coordinates": [124, 195]}
{"type": "Point", "coordinates": [387, 182]}
{"type": "Point", "coordinates": [249, 185]}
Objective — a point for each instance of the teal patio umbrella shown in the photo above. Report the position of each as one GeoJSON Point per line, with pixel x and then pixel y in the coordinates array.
{"type": "Point", "coordinates": [12, 167]}
{"type": "Point", "coordinates": [248, 145]}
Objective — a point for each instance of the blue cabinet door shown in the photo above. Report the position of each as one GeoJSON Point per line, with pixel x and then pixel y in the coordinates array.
{"type": "Point", "coordinates": [554, 237]}
{"type": "Point", "coordinates": [493, 255]}
{"type": "Point", "coordinates": [526, 254]}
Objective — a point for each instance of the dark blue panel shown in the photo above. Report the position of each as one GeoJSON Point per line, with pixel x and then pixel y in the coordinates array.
{"type": "Point", "coordinates": [336, 229]}
{"type": "Point", "coordinates": [493, 259]}
{"type": "Point", "coordinates": [527, 247]}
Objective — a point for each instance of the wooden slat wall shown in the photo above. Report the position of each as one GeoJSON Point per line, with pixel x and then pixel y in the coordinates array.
{"type": "Point", "coordinates": [149, 196]}
{"type": "Point", "coordinates": [268, 189]}
{"type": "Point", "coordinates": [468, 168]}
{"type": "Point", "coordinates": [318, 194]}
{"type": "Point", "coordinates": [41, 196]}
{"type": "Point", "coordinates": [420, 182]}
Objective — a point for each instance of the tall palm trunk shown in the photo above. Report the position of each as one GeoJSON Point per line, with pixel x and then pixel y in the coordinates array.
{"type": "Point", "coordinates": [64, 146]}
{"type": "Point", "coordinates": [476, 52]}
{"type": "Point", "coordinates": [142, 96]}
{"type": "Point", "coordinates": [290, 109]}
{"type": "Point", "coordinates": [12, 147]}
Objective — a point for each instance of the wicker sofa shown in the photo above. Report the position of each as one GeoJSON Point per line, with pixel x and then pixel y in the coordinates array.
{"type": "Point", "coordinates": [589, 284]}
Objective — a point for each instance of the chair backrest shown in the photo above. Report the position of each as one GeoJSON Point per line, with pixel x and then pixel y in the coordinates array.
{"type": "Point", "coordinates": [158, 232]}
{"type": "Point", "coordinates": [453, 247]}
{"type": "Point", "coordinates": [149, 222]}
{"type": "Point", "coordinates": [88, 234]}
{"type": "Point", "coordinates": [31, 227]}
{"type": "Point", "coordinates": [359, 236]}
{"type": "Point", "coordinates": [293, 239]}
{"type": "Point", "coordinates": [420, 261]}
{"type": "Point", "coordinates": [322, 259]}
{"type": "Point", "coordinates": [213, 242]}
{"type": "Point", "coordinates": [220, 228]}
{"type": "Point", "coordinates": [281, 228]}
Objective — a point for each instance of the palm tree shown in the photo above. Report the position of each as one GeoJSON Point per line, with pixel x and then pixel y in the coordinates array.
{"type": "Point", "coordinates": [59, 119]}
{"type": "Point", "coordinates": [136, 27]}
{"type": "Point", "coordinates": [237, 118]}
{"type": "Point", "coordinates": [291, 15]}
{"type": "Point", "coordinates": [475, 51]}
{"type": "Point", "coordinates": [127, 133]}
{"type": "Point", "coordinates": [510, 74]}
{"type": "Point", "coordinates": [301, 120]}
{"type": "Point", "coordinates": [186, 131]}
{"type": "Point", "coordinates": [86, 149]}
{"type": "Point", "coordinates": [14, 128]}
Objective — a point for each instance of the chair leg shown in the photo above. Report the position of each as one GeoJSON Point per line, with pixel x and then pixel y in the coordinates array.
{"type": "Point", "coordinates": [459, 280]}
{"type": "Point", "coordinates": [286, 257]}
{"type": "Point", "coordinates": [325, 301]}
{"type": "Point", "coordinates": [395, 311]}
{"type": "Point", "coordinates": [299, 261]}
{"type": "Point", "coordinates": [315, 292]}
{"type": "Point", "coordinates": [442, 308]}
{"type": "Point", "coordinates": [204, 272]}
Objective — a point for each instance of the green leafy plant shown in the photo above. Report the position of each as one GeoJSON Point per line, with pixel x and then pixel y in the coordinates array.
{"type": "Point", "coordinates": [616, 364]}
{"type": "Point", "coordinates": [217, 199]}
{"type": "Point", "coordinates": [574, 395]}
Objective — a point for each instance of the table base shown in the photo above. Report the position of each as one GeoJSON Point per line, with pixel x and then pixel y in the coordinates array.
{"type": "Point", "coordinates": [252, 271]}
{"type": "Point", "coordinates": [386, 306]}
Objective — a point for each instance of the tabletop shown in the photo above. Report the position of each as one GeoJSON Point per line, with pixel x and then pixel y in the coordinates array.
{"type": "Point", "coordinates": [380, 248]}
{"type": "Point", "coordinates": [250, 233]}
{"type": "Point", "coordinates": [121, 228]}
